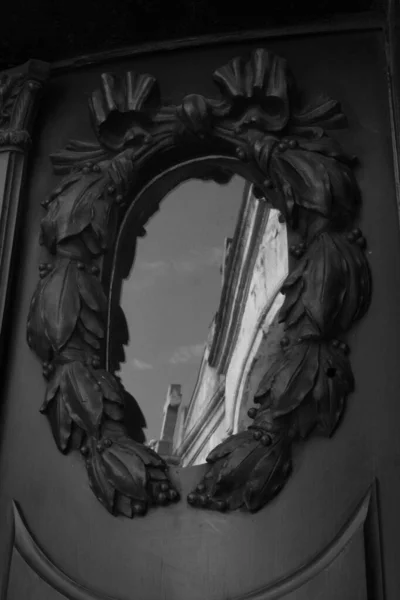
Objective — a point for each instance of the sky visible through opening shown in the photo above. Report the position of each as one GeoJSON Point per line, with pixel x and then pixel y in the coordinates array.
{"type": "Point", "coordinates": [173, 291]}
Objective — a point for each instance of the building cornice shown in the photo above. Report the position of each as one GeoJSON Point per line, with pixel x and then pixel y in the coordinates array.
{"type": "Point", "coordinates": [242, 256]}
{"type": "Point", "coordinates": [200, 427]}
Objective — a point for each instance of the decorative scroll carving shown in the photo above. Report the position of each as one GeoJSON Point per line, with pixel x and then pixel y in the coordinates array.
{"type": "Point", "coordinates": [10, 88]}
{"type": "Point", "coordinates": [17, 91]}
{"type": "Point", "coordinates": [287, 154]}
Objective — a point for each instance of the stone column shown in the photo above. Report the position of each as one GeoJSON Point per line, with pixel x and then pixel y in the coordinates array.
{"type": "Point", "coordinates": [171, 407]}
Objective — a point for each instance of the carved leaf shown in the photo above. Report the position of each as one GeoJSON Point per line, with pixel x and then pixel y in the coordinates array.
{"type": "Point", "coordinates": [226, 446]}
{"type": "Point", "coordinates": [228, 474]}
{"type": "Point", "coordinates": [88, 337]}
{"type": "Point", "coordinates": [269, 475]}
{"type": "Point", "coordinates": [117, 434]}
{"type": "Point", "coordinates": [290, 379]}
{"type": "Point", "coordinates": [103, 225]}
{"type": "Point", "coordinates": [78, 394]}
{"type": "Point", "coordinates": [322, 112]}
{"type": "Point", "coordinates": [157, 474]}
{"type": "Point", "coordinates": [36, 336]}
{"type": "Point", "coordinates": [317, 182]}
{"type": "Point", "coordinates": [113, 411]}
{"type": "Point", "coordinates": [91, 292]}
{"type": "Point", "coordinates": [308, 373]}
{"type": "Point", "coordinates": [324, 284]}
{"type": "Point", "coordinates": [335, 381]}
{"type": "Point", "coordinates": [76, 154]}
{"type": "Point", "coordinates": [110, 386]}
{"type": "Point", "coordinates": [113, 394]}
{"type": "Point", "coordinates": [53, 387]}
{"type": "Point", "coordinates": [69, 211]}
{"type": "Point", "coordinates": [249, 475]}
{"type": "Point", "coordinates": [127, 475]}
{"type": "Point", "coordinates": [358, 282]}
{"type": "Point", "coordinates": [91, 242]}
{"type": "Point", "coordinates": [61, 423]}
{"type": "Point", "coordinates": [82, 396]}
{"type": "Point", "coordinates": [327, 146]}
{"type": "Point", "coordinates": [123, 506]}
{"type": "Point", "coordinates": [237, 465]}
{"type": "Point", "coordinates": [59, 417]}
{"type": "Point", "coordinates": [59, 304]}
{"type": "Point", "coordinates": [74, 208]}
{"type": "Point", "coordinates": [126, 472]}
{"type": "Point", "coordinates": [305, 418]}
{"type": "Point", "coordinates": [92, 323]}
{"type": "Point", "coordinates": [328, 290]}
{"type": "Point", "coordinates": [102, 488]}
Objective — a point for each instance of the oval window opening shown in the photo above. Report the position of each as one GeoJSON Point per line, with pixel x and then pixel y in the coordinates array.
{"type": "Point", "coordinates": [183, 301]}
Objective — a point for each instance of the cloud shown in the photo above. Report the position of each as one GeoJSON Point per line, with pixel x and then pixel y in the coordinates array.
{"type": "Point", "coordinates": [199, 259]}
{"type": "Point", "coordinates": [185, 354]}
{"type": "Point", "coordinates": [140, 365]}
{"type": "Point", "coordinates": [153, 266]}
{"type": "Point", "coordinates": [149, 272]}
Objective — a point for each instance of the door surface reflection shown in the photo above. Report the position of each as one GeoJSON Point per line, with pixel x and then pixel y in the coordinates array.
{"type": "Point", "coordinates": [170, 299]}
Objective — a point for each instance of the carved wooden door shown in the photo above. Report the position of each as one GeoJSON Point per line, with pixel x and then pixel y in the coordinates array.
{"type": "Point", "coordinates": [279, 511]}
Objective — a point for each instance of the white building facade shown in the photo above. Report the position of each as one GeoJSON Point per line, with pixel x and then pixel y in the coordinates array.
{"type": "Point", "coordinates": [243, 335]}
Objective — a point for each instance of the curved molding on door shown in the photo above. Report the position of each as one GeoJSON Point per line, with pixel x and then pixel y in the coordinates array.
{"type": "Point", "coordinates": [36, 559]}
{"type": "Point", "coordinates": [41, 564]}
{"type": "Point", "coordinates": [321, 561]}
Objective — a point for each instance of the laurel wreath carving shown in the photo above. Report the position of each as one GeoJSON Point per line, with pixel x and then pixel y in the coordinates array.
{"type": "Point", "coordinates": [301, 171]}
